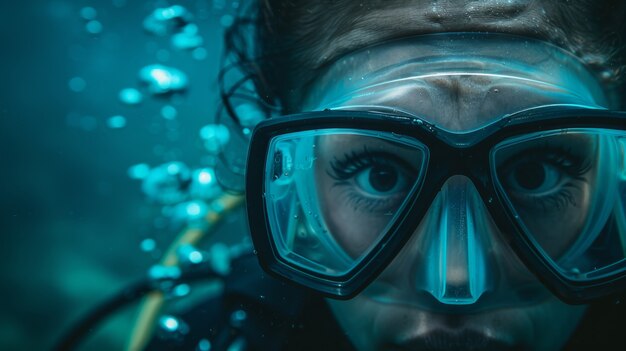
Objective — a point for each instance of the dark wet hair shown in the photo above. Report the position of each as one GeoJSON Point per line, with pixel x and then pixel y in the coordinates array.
{"type": "Point", "coordinates": [273, 42]}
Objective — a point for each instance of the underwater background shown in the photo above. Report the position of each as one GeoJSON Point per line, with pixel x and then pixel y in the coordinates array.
{"type": "Point", "coordinates": [106, 109]}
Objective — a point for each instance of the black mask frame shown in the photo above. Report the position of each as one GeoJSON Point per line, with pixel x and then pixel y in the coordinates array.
{"type": "Point", "coordinates": [456, 154]}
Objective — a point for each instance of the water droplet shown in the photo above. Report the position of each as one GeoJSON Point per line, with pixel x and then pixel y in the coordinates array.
{"type": "Point", "coordinates": [77, 84]}
{"type": "Point", "coordinates": [116, 122]}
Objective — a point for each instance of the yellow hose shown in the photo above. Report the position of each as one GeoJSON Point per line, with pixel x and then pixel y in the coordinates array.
{"type": "Point", "coordinates": [151, 305]}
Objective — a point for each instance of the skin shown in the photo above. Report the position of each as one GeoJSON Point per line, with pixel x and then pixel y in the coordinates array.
{"type": "Point", "coordinates": [391, 314]}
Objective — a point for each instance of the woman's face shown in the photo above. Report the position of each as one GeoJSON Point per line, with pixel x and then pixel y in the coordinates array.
{"type": "Point", "coordinates": [396, 311]}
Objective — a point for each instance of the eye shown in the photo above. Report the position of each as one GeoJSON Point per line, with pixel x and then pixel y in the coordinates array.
{"type": "Point", "coordinates": [533, 177]}
{"type": "Point", "coordinates": [381, 180]}
{"type": "Point", "coordinates": [544, 178]}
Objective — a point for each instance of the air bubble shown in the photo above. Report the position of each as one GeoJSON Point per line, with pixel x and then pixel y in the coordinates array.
{"type": "Point", "coordinates": [219, 255]}
{"type": "Point", "coordinates": [77, 84]}
{"type": "Point", "coordinates": [238, 317]}
{"type": "Point", "coordinates": [139, 171]}
{"type": "Point", "coordinates": [130, 96]}
{"type": "Point", "coordinates": [88, 13]}
{"type": "Point", "coordinates": [215, 136]}
{"type": "Point", "coordinates": [166, 20]}
{"type": "Point", "coordinates": [167, 183]}
{"type": "Point", "coordinates": [190, 254]}
{"type": "Point", "coordinates": [199, 54]}
{"type": "Point", "coordinates": [162, 79]}
{"type": "Point", "coordinates": [187, 39]}
{"type": "Point", "coordinates": [181, 290]}
{"type": "Point", "coordinates": [171, 327]}
{"type": "Point", "coordinates": [147, 245]}
{"type": "Point", "coordinates": [116, 122]}
{"type": "Point", "coordinates": [93, 27]}
{"type": "Point", "coordinates": [227, 20]}
{"type": "Point", "coordinates": [204, 345]}
{"type": "Point", "coordinates": [249, 115]}
{"type": "Point", "coordinates": [204, 184]}
{"type": "Point", "coordinates": [169, 112]}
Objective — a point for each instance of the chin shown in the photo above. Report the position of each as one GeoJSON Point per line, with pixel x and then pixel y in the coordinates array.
{"type": "Point", "coordinates": [376, 326]}
{"type": "Point", "coordinates": [444, 340]}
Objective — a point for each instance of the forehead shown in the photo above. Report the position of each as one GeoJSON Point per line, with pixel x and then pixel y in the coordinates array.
{"type": "Point", "coordinates": [321, 33]}
{"type": "Point", "coordinates": [459, 81]}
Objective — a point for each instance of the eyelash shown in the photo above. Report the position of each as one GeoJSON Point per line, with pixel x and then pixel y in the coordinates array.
{"type": "Point", "coordinates": [564, 160]}
{"type": "Point", "coordinates": [355, 162]}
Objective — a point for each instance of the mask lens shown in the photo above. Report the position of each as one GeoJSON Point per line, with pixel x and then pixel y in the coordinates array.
{"type": "Point", "coordinates": [331, 194]}
{"type": "Point", "coordinates": [566, 188]}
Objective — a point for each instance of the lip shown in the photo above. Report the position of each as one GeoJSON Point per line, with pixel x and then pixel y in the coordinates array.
{"type": "Point", "coordinates": [442, 340]}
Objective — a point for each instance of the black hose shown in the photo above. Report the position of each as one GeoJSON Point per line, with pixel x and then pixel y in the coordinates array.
{"type": "Point", "coordinates": [129, 294]}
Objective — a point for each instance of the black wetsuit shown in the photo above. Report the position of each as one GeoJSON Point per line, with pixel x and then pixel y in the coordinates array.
{"type": "Point", "coordinates": [278, 316]}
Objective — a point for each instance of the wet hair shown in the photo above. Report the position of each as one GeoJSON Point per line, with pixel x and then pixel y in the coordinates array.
{"type": "Point", "coordinates": [278, 43]}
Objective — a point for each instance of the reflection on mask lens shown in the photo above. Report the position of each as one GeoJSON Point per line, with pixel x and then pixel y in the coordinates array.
{"type": "Point", "coordinates": [331, 194]}
{"type": "Point", "coordinates": [564, 188]}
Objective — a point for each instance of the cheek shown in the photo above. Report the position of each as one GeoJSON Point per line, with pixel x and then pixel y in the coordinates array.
{"type": "Point", "coordinates": [352, 225]}
{"type": "Point", "coordinates": [557, 230]}
{"type": "Point", "coordinates": [362, 321]}
{"type": "Point", "coordinates": [553, 323]}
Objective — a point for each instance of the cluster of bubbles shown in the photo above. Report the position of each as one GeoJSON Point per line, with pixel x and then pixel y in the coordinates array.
{"type": "Point", "coordinates": [90, 16]}
{"type": "Point", "coordinates": [177, 23]}
{"type": "Point", "coordinates": [185, 193]}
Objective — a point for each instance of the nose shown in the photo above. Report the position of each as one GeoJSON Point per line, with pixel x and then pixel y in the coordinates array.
{"type": "Point", "coordinates": [455, 268]}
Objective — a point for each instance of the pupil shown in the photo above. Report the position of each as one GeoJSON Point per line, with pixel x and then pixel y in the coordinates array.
{"type": "Point", "coordinates": [530, 175]}
{"type": "Point", "coordinates": [383, 178]}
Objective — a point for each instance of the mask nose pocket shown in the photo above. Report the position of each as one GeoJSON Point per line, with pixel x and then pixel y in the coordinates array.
{"type": "Point", "coordinates": [454, 270]}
